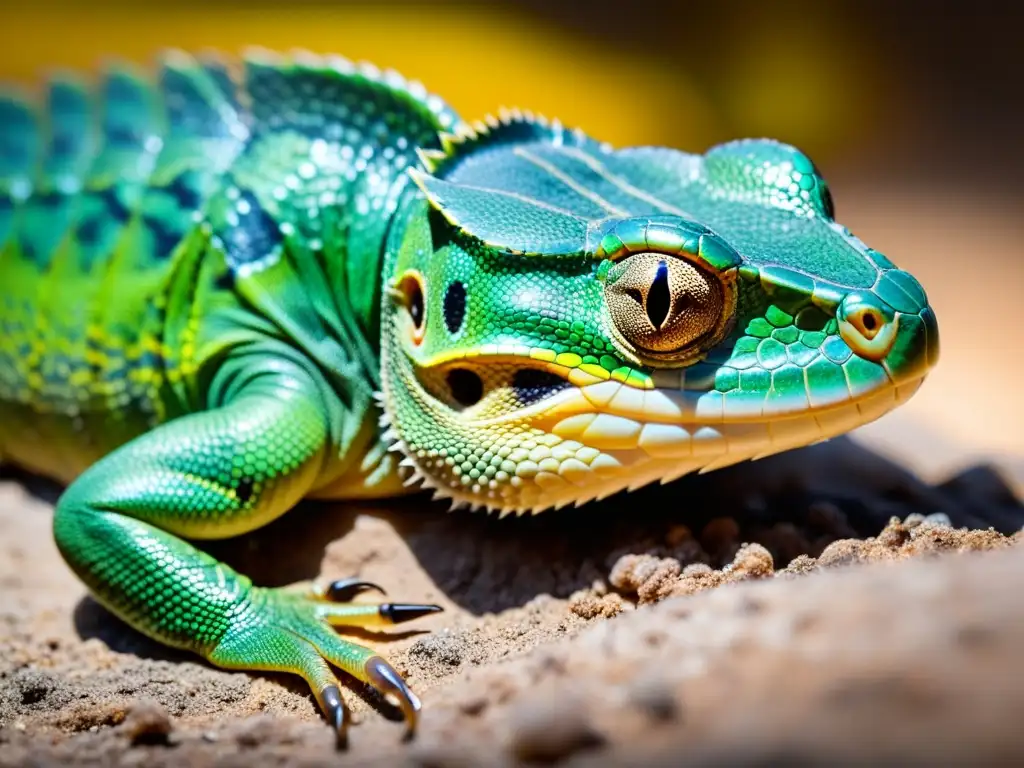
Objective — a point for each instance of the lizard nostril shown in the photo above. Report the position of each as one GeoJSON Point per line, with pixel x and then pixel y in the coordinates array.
{"type": "Point", "coordinates": [467, 388]}
{"type": "Point", "coordinates": [532, 385]}
{"type": "Point", "coordinates": [867, 328]}
{"type": "Point", "coordinates": [867, 321]}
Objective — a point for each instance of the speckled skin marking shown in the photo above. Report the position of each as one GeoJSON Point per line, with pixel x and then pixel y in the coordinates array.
{"type": "Point", "coordinates": [206, 276]}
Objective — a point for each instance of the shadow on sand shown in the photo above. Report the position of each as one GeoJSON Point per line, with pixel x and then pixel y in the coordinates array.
{"type": "Point", "coordinates": [795, 503]}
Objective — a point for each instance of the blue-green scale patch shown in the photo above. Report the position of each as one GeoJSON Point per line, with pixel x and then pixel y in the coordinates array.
{"type": "Point", "coordinates": [524, 305]}
{"type": "Point", "coordinates": [770, 366]}
{"type": "Point", "coordinates": [249, 234]}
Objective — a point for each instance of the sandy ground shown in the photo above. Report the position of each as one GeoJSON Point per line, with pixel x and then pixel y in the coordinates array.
{"type": "Point", "coordinates": [856, 600]}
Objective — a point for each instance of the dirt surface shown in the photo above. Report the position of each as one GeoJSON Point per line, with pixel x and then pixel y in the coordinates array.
{"type": "Point", "coordinates": [857, 600]}
{"type": "Point", "coordinates": [547, 649]}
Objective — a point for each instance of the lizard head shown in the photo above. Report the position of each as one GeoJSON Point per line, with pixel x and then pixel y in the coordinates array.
{"type": "Point", "coordinates": [563, 321]}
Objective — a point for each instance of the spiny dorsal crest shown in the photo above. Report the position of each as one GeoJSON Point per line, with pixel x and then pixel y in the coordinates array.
{"type": "Point", "coordinates": [510, 126]}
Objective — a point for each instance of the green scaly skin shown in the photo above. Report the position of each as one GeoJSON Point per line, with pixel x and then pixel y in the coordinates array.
{"type": "Point", "coordinates": [206, 276]}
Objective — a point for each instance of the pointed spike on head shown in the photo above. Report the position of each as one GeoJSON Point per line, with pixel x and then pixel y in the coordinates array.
{"type": "Point", "coordinates": [448, 141]}
{"type": "Point", "coordinates": [393, 78]}
{"type": "Point", "coordinates": [417, 89]}
{"type": "Point", "coordinates": [429, 158]}
{"type": "Point", "coordinates": [174, 57]}
{"type": "Point", "coordinates": [340, 64]}
{"type": "Point", "coordinates": [306, 58]}
{"type": "Point", "coordinates": [369, 70]}
{"type": "Point", "coordinates": [260, 55]}
{"type": "Point", "coordinates": [212, 56]}
{"type": "Point", "coordinates": [464, 132]}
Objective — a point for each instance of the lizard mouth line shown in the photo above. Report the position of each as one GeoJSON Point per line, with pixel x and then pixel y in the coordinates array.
{"type": "Point", "coordinates": [668, 401]}
{"type": "Point", "coordinates": [615, 429]}
{"type": "Point", "coordinates": [616, 447]}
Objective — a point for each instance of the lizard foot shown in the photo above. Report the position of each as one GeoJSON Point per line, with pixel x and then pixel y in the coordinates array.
{"type": "Point", "coordinates": [291, 630]}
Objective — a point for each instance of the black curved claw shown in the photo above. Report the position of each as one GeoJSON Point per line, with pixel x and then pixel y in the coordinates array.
{"type": "Point", "coordinates": [337, 715]}
{"type": "Point", "coordinates": [343, 590]}
{"type": "Point", "coordinates": [398, 613]}
{"type": "Point", "coordinates": [385, 679]}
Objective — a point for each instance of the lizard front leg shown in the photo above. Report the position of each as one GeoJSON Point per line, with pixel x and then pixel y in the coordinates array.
{"type": "Point", "coordinates": [208, 475]}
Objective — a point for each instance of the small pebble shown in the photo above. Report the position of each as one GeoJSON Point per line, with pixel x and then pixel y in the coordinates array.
{"type": "Point", "coordinates": [914, 519]}
{"type": "Point", "coordinates": [550, 725]}
{"type": "Point", "coordinates": [474, 705]}
{"type": "Point", "coordinates": [655, 697]}
{"type": "Point", "coordinates": [147, 722]}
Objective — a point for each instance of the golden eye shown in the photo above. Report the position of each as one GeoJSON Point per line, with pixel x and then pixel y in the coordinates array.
{"type": "Point", "coordinates": [663, 304]}
{"type": "Point", "coordinates": [409, 292]}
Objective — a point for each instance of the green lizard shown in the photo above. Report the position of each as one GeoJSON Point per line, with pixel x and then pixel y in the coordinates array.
{"type": "Point", "coordinates": [207, 277]}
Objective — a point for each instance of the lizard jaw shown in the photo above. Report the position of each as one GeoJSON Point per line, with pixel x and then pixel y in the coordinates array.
{"type": "Point", "coordinates": [588, 455]}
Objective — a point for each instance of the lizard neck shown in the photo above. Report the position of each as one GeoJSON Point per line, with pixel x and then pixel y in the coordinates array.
{"type": "Point", "coordinates": [318, 295]}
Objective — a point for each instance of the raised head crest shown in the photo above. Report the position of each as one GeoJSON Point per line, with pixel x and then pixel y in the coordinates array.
{"type": "Point", "coordinates": [510, 126]}
{"type": "Point", "coordinates": [496, 172]}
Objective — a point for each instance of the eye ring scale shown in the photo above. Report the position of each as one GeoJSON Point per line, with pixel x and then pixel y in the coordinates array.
{"type": "Point", "coordinates": [661, 304]}
{"type": "Point", "coordinates": [670, 288]}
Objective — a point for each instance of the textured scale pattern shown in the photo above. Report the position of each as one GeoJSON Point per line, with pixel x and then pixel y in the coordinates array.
{"type": "Point", "coordinates": [226, 286]}
{"type": "Point", "coordinates": [752, 216]}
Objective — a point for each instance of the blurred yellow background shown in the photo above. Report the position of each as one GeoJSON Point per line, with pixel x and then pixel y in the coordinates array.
{"type": "Point", "coordinates": [482, 56]}
{"type": "Point", "coordinates": [913, 110]}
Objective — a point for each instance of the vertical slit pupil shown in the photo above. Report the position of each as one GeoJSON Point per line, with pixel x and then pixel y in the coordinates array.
{"type": "Point", "coordinates": [659, 300]}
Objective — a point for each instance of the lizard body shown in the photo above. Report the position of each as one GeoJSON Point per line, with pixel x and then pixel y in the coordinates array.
{"type": "Point", "coordinates": [206, 277]}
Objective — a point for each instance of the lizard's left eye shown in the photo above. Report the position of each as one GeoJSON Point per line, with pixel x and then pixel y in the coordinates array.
{"type": "Point", "coordinates": [410, 291]}
{"type": "Point", "coordinates": [662, 304]}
